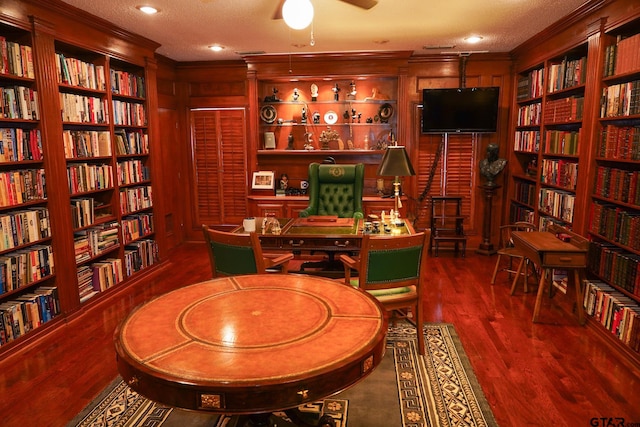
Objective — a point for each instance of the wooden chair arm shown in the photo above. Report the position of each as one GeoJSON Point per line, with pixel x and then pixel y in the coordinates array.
{"type": "Point", "coordinates": [349, 264]}
{"type": "Point", "coordinates": [273, 260]}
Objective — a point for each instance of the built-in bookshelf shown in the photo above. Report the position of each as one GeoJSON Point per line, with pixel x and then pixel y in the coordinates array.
{"type": "Point", "coordinates": [28, 294]}
{"type": "Point", "coordinates": [550, 106]}
{"type": "Point", "coordinates": [614, 214]}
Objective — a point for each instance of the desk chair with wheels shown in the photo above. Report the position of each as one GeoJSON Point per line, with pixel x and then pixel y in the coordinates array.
{"type": "Point", "coordinates": [234, 254]}
{"type": "Point", "coordinates": [508, 251]}
{"type": "Point", "coordinates": [335, 190]}
{"type": "Point", "coordinates": [390, 269]}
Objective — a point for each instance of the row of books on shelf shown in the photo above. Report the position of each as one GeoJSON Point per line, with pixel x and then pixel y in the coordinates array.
{"type": "Point", "coordinates": [617, 184]}
{"type": "Point", "coordinates": [531, 85]}
{"type": "Point", "coordinates": [136, 226]}
{"type": "Point", "coordinates": [616, 265]}
{"type": "Point", "coordinates": [623, 56]}
{"type": "Point", "coordinates": [132, 171]}
{"type": "Point", "coordinates": [75, 72]}
{"type": "Point", "coordinates": [564, 109]}
{"type": "Point", "coordinates": [129, 113]}
{"type": "Point", "coordinates": [27, 312]}
{"type": "Point", "coordinates": [19, 102]}
{"type": "Point", "coordinates": [525, 192]}
{"type": "Point", "coordinates": [83, 177]}
{"type": "Point", "coordinates": [95, 241]}
{"type": "Point", "coordinates": [529, 115]}
{"type": "Point", "coordinates": [567, 74]}
{"type": "Point", "coordinates": [557, 203]}
{"type": "Point", "coordinates": [616, 224]}
{"type": "Point", "coordinates": [98, 277]}
{"type": "Point", "coordinates": [16, 59]}
{"type": "Point", "coordinates": [620, 142]}
{"type": "Point", "coordinates": [132, 142]}
{"type": "Point", "coordinates": [562, 142]}
{"type": "Point", "coordinates": [521, 213]}
{"type": "Point", "coordinates": [83, 211]}
{"type": "Point", "coordinates": [527, 140]}
{"type": "Point", "coordinates": [139, 255]}
{"type": "Point", "coordinates": [135, 199]}
{"type": "Point", "coordinates": [128, 84]}
{"type": "Point", "coordinates": [21, 268]}
{"type": "Point", "coordinates": [86, 143]}
{"type": "Point", "coordinates": [83, 109]}
{"type": "Point", "coordinates": [21, 186]}
{"type": "Point", "coordinates": [559, 172]}
{"type": "Point", "coordinates": [23, 227]}
{"type": "Point", "coordinates": [17, 145]}
{"type": "Point", "coordinates": [621, 100]}
{"type": "Point", "coordinates": [618, 313]}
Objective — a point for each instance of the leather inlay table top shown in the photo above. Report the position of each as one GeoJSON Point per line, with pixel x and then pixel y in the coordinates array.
{"type": "Point", "coordinates": [252, 343]}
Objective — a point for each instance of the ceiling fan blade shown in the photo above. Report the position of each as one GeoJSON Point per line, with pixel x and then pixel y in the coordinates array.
{"type": "Point", "coordinates": [364, 4]}
{"type": "Point", "coordinates": [277, 14]}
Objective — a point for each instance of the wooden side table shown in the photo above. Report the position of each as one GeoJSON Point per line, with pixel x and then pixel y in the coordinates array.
{"type": "Point", "coordinates": [549, 252]}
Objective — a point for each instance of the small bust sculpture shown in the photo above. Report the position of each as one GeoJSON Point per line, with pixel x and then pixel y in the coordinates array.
{"type": "Point", "coordinates": [491, 166]}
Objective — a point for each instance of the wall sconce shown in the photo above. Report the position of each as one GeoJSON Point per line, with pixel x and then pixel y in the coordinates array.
{"type": "Point", "coordinates": [297, 14]}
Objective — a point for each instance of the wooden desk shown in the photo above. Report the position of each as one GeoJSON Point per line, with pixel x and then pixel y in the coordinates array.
{"type": "Point", "coordinates": [297, 234]}
{"type": "Point", "coordinates": [549, 252]}
{"type": "Point", "coordinates": [251, 344]}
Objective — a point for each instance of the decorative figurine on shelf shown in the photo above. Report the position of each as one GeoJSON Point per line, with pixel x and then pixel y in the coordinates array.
{"type": "Point", "coordinates": [314, 92]}
{"type": "Point", "coordinates": [491, 166]}
{"type": "Point", "coordinates": [284, 182]}
{"type": "Point", "coordinates": [352, 91]}
{"type": "Point", "coordinates": [336, 92]}
{"type": "Point", "coordinates": [303, 115]}
{"type": "Point", "coordinates": [274, 97]}
{"type": "Point", "coordinates": [308, 145]}
{"type": "Point", "coordinates": [296, 94]}
{"type": "Point", "coordinates": [290, 142]}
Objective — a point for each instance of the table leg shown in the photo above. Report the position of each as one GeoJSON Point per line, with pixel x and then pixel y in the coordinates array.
{"type": "Point", "coordinates": [536, 309]}
{"type": "Point", "coordinates": [579, 302]}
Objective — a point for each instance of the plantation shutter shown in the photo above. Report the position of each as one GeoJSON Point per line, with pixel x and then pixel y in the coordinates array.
{"type": "Point", "coordinates": [219, 156]}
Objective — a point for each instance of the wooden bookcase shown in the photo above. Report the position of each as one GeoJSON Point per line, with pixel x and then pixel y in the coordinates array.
{"type": "Point", "coordinates": [28, 291]}
{"type": "Point", "coordinates": [76, 203]}
{"type": "Point", "coordinates": [575, 159]}
{"type": "Point", "coordinates": [613, 225]}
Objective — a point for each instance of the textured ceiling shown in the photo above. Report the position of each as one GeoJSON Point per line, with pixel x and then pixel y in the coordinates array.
{"type": "Point", "coordinates": [185, 28]}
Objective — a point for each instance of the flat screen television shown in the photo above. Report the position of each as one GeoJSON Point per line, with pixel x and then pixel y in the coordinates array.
{"type": "Point", "coordinates": [460, 110]}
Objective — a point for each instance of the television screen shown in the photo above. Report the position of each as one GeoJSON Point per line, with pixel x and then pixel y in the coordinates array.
{"type": "Point", "coordinates": [460, 110]}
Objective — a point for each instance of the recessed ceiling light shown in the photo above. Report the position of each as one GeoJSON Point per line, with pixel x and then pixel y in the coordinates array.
{"type": "Point", "coordinates": [149, 10]}
{"type": "Point", "coordinates": [473, 39]}
{"type": "Point", "coordinates": [216, 48]}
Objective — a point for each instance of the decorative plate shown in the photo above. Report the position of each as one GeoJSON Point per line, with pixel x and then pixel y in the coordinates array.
{"type": "Point", "coordinates": [330, 117]}
{"type": "Point", "coordinates": [268, 114]}
{"type": "Point", "coordinates": [385, 112]}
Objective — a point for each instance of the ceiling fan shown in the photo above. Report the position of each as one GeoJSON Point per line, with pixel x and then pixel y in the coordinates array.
{"type": "Point", "coordinates": [364, 4]}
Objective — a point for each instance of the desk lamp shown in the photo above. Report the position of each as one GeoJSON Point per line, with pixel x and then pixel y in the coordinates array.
{"type": "Point", "coordinates": [396, 163]}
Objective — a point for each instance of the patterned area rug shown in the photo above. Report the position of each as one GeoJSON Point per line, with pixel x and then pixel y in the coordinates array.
{"type": "Point", "coordinates": [438, 390]}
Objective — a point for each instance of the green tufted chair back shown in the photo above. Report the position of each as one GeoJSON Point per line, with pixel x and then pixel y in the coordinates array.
{"type": "Point", "coordinates": [335, 190]}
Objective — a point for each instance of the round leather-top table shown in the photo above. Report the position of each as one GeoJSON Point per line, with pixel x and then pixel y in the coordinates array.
{"type": "Point", "coordinates": [251, 344]}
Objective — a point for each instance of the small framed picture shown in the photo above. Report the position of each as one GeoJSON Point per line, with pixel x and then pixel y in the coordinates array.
{"type": "Point", "coordinates": [263, 180]}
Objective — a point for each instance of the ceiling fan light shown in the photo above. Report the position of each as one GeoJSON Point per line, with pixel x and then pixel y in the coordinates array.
{"type": "Point", "coordinates": [297, 14]}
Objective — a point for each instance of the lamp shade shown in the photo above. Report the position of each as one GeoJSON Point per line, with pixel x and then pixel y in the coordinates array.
{"type": "Point", "coordinates": [395, 162]}
{"type": "Point", "coordinates": [297, 14]}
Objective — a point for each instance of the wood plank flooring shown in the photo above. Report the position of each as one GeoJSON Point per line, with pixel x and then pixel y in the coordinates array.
{"type": "Point", "coordinates": [555, 373]}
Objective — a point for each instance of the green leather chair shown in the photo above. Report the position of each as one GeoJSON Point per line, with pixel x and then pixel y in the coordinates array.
{"type": "Point", "coordinates": [335, 190]}
{"type": "Point", "coordinates": [390, 269]}
{"type": "Point", "coordinates": [233, 254]}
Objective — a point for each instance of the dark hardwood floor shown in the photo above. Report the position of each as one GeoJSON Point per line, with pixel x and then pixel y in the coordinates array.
{"type": "Point", "coordinates": [555, 373]}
